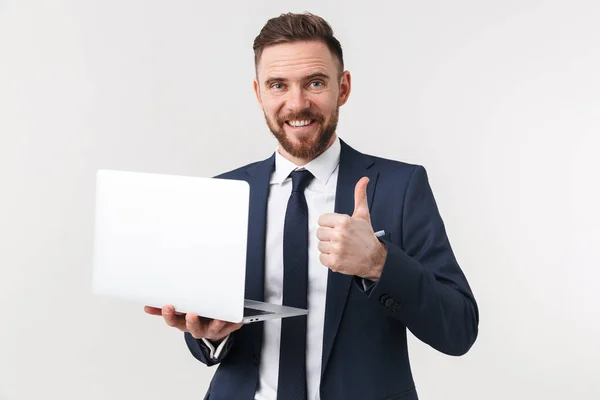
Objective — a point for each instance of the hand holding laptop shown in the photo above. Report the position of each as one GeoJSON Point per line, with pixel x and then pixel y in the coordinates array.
{"type": "Point", "coordinates": [211, 329]}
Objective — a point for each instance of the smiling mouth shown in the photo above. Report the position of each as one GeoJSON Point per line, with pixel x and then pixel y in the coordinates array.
{"type": "Point", "coordinates": [300, 123]}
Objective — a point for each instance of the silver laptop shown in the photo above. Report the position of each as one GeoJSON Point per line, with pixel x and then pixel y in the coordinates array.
{"type": "Point", "coordinates": [164, 239]}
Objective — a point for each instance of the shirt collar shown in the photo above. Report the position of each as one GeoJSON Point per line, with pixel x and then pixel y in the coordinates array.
{"type": "Point", "coordinates": [321, 167]}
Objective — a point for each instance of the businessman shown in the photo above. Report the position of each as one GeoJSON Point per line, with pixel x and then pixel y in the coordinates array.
{"type": "Point", "coordinates": [356, 239]}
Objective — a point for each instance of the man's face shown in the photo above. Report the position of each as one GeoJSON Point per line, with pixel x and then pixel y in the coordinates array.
{"type": "Point", "coordinates": [299, 90]}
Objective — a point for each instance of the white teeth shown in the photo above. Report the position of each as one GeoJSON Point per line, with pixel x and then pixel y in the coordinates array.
{"type": "Point", "coordinates": [298, 124]}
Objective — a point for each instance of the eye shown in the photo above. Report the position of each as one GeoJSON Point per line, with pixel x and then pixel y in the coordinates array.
{"type": "Point", "coordinates": [277, 86]}
{"type": "Point", "coordinates": [316, 84]}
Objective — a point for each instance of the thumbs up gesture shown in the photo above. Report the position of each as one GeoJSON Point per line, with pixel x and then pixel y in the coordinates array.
{"type": "Point", "coordinates": [348, 243]}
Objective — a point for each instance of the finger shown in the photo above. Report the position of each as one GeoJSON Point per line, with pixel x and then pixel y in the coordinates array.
{"type": "Point", "coordinates": [195, 326]}
{"type": "Point", "coordinates": [222, 328]}
{"type": "Point", "coordinates": [152, 310]}
{"type": "Point", "coordinates": [327, 247]}
{"type": "Point", "coordinates": [328, 260]}
{"type": "Point", "coordinates": [327, 234]}
{"type": "Point", "coordinates": [214, 328]}
{"type": "Point", "coordinates": [332, 220]}
{"type": "Point", "coordinates": [176, 321]}
{"type": "Point", "coordinates": [361, 207]}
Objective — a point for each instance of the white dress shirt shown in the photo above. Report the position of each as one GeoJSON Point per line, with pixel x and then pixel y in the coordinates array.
{"type": "Point", "coordinates": [320, 198]}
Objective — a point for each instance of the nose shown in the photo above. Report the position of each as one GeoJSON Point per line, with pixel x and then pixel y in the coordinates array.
{"type": "Point", "coordinates": [297, 99]}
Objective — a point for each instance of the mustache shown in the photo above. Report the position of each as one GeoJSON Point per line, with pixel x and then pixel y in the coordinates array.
{"type": "Point", "coordinates": [307, 113]}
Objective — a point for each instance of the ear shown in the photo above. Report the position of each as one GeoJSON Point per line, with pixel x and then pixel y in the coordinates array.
{"type": "Point", "coordinates": [345, 86]}
{"type": "Point", "coordinates": [257, 93]}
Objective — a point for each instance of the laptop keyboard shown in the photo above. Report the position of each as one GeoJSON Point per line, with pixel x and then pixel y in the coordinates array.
{"type": "Point", "coordinates": [253, 311]}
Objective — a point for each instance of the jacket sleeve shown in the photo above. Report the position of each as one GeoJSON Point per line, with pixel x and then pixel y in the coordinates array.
{"type": "Point", "coordinates": [421, 283]}
{"type": "Point", "coordinates": [203, 353]}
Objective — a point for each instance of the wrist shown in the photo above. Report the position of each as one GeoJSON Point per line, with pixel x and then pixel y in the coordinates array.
{"type": "Point", "coordinates": [374, 272]}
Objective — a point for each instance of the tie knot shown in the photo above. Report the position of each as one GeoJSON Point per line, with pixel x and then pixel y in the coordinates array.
{"type": "Point", "coordinates": [300, 179]}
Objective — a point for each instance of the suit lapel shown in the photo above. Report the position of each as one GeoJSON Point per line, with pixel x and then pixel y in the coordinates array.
{"type": "Point", "coordinates": [259, 176]}
{"type": "Point", "coordinates": [353, 166]}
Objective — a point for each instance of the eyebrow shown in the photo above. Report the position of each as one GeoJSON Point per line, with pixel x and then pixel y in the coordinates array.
{"type": "Point", "coordinates": [310, 77]}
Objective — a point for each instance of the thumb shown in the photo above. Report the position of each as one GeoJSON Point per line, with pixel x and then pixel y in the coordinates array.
{"type": "Point", "coordinates": [361, 208]}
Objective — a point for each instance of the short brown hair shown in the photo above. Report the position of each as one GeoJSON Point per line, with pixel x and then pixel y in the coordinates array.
{"type": "Point", "coordinates": [288, 28]}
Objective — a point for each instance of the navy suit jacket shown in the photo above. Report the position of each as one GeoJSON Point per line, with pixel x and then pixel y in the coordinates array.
{"type": "Point", "coordinates": [421, 288]}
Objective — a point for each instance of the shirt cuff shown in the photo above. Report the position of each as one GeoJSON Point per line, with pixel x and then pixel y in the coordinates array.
{"type": "Point", "coordinates": [215, 353]}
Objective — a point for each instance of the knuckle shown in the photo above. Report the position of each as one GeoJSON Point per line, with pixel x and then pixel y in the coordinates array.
{"type": "Point", "coordinates": [190, 318]}
{"type": "Point", "coordinates": [338, 248]}
{"type": "Point", "coordinates": [194, 328]}
{"type": "Point", "coordinates": [346, 221]}
{"type": "Point", "coordinates": [191, 322]}
{"type": "Point", "coordinates": [213, 329]}
{"type": "Point", "coordinates": [196, 334]}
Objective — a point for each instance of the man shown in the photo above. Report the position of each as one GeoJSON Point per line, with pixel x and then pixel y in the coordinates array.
{"type": "Point", "coordinates": [315, 207]}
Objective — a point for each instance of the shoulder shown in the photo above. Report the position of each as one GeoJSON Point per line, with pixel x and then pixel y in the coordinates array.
{"type": "Point", "coordinates": [242, 173]}
{"type": "Point", "coordinates": [383, 165]}
{"type": "Point", "coordinates": [399, 175]}
{"type": "Point", "coordinates": [395, 166]}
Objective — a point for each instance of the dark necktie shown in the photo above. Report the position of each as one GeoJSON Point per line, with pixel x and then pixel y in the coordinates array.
{"type": "Point", "coordinates": [292, 355]}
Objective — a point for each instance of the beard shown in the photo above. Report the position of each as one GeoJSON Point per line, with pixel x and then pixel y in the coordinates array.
{"type": "Point", "coordinates": [309, 146]}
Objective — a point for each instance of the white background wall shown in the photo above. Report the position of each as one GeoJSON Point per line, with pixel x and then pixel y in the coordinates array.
{"type": "Point", "coordinates": [498, 99]}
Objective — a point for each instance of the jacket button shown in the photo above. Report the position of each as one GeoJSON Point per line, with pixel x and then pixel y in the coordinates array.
{"type": "Point", "coordinates": [383, 298]}
{"type": "Point", "coordinates": [396, 307]}
{"type": "Point", "coordinates": [389, 303]}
